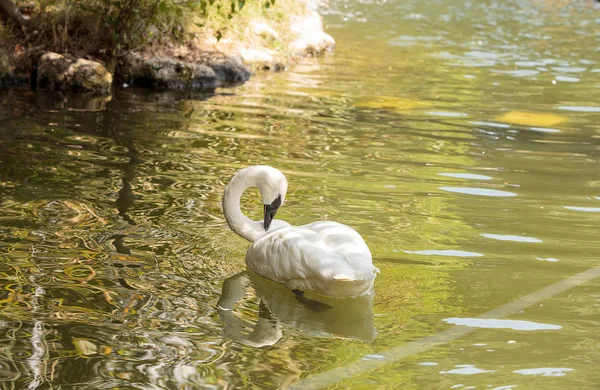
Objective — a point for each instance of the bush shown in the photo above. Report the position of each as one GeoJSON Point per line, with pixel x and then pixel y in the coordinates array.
{"type": "Point", "coordinates": [112, 27]}
{"type": "Point", "coordinates": [108, 27]}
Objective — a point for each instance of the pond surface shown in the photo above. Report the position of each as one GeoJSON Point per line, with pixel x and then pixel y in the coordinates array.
{"type": "Point", "coordinates": [461, 139]}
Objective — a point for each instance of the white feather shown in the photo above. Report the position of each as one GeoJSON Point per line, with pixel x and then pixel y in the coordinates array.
{"type": "Point", "coordinates": [324, 257]}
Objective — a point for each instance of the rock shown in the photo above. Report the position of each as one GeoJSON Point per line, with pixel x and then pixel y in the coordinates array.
{"type": "Point", "coordinates": [58, 72]}
{"type": "Point", "coordinates": [263, 59]}
{"type": "Point", "coordinates": [256, 55]}
{"type": "Point", "coordinates": [311, 39]}
{"type": "Point", "coordinates": [263, 30]}
{"type": "Point", "coordinates": [169, 73]}
{"type": "Point", "coordinates": [166, 73]}
{"type": "Point", "coordinates": [230, 70]}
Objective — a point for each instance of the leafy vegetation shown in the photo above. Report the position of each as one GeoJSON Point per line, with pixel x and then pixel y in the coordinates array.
{"type": "Point", "coordinates": [110, 28]}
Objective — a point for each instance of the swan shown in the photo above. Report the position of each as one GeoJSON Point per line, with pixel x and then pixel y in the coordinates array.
{"type": "Point", "coordinates": [323, 257]}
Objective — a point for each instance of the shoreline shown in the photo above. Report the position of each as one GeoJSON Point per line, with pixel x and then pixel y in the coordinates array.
{"type": "Point", "coordinates": [201, 64]}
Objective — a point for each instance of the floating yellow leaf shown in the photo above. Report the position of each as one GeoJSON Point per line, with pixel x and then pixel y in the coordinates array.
{"type": "Point", "coordinates": [539, 119]}
{"type": "Point", "coordinates": [392, 103]}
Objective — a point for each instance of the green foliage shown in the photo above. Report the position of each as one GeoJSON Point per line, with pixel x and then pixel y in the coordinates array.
{"type": "Point", "coordinates": [133, 23]}
{"type": "Point", "coordinates": [112, 27]}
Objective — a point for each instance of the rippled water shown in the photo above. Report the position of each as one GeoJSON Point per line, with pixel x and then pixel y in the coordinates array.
{"type": "Point", "coordinates": [460, 139]}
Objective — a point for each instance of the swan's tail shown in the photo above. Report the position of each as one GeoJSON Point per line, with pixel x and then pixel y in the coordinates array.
{"type": "Point", "coordinates": [356, 283]}
{"type": "Point", "coordinates": [350, 288]}
{"type": "Point", "coordinates": [356, 275]}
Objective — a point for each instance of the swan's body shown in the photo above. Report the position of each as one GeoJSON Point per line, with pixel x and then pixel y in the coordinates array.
{"type": "Point", "coordinates": [324, 257]}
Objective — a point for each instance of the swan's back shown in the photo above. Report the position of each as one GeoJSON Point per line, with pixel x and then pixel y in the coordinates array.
{"type": "Point", "coordinates": [325, 257]}
{"type": "Point", "coordinates": [346, 241]}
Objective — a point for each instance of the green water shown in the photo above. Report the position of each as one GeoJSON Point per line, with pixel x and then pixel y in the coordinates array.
{"type": "Point", "coordinates": [114, 250]}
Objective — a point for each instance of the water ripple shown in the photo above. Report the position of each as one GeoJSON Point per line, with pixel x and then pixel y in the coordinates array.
{"type": "Point", "coordinates": [567, 79]}
{"type": "Point", "coordinates": [450, 252]}
{"type": "Point", "coordinates": [586, 209]}
{"type": "Point", "coordinates": [466, 176]}
{"type": "Point", "coordinates": [507, 237]}
{"type": "Point", "coordinates": [545, 130]}
{"type": "Point", "coordinates": [466, 370]}
{"type": "Point", "coordinates": [544, 371]}
{"type": "Point", "coordinates": [491, 124]}
{"type": "Point", "coordinates": [446, 114]}
{"type": "Point", "coordinates": [580, 108]}
{"type": "Point", "coordinates": [550, 259]}
{"type": "Point", "coordinates": [500, 324]}
{"type": "Point", "coordinates": [478, 191]}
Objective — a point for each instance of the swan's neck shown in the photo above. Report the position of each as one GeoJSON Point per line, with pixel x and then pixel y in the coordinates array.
{"type": "Point", "coordinates": [236, 220]}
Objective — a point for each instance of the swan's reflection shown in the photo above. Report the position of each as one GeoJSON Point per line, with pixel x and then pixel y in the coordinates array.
{"type": "Point", "coordinates": [319, 316]}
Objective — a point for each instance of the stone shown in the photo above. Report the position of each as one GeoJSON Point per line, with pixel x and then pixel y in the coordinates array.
{"type": "Point", "coordinates": [263, 59]}
{"type": "Point", "coordinates": [230, 70]}
{"type": "Point", "coordinates": [257, 55]}
{"type": "Point", "coordinates": [59, 72]}
{"type": "Point", "coordinates": [161, 72]}
{"type": "Point", "coordinates": [166, 73]}
{"type": "Point", "coordinates": [310, 37]}
{"type": "Point", "coordinates": [263, 30]}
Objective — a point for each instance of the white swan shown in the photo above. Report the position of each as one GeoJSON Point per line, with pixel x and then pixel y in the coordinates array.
{"type": "Point", "coordinates": [325, 257]}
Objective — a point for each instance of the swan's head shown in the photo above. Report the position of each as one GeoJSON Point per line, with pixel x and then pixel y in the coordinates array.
{"type": "Point", "coordinates": [273, 188]}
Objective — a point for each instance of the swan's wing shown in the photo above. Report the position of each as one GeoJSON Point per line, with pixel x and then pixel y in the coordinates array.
{"type": "Point", "coordinates": [347, 242]}
{"type": "Point", "coordinates": [324, 251]}
{"type": "Point", "coordinates": [292, 253]}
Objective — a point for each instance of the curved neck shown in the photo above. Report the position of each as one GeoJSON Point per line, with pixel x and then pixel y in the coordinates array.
{"type": "Point", "coordinates": [237, 221]}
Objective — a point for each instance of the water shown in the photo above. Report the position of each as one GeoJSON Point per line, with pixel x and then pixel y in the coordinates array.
{"type": "Point", "coordinates": [461, 141]}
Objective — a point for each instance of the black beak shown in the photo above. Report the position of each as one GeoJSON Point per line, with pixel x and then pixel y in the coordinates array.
{"type": "Point", "coordinates": [269, 215]}
{"type": "Point", "coordinates": [269, 212]}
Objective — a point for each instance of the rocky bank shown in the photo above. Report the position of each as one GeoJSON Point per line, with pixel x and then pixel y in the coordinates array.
{"type": "Point", "coordinates": [200, 64]}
